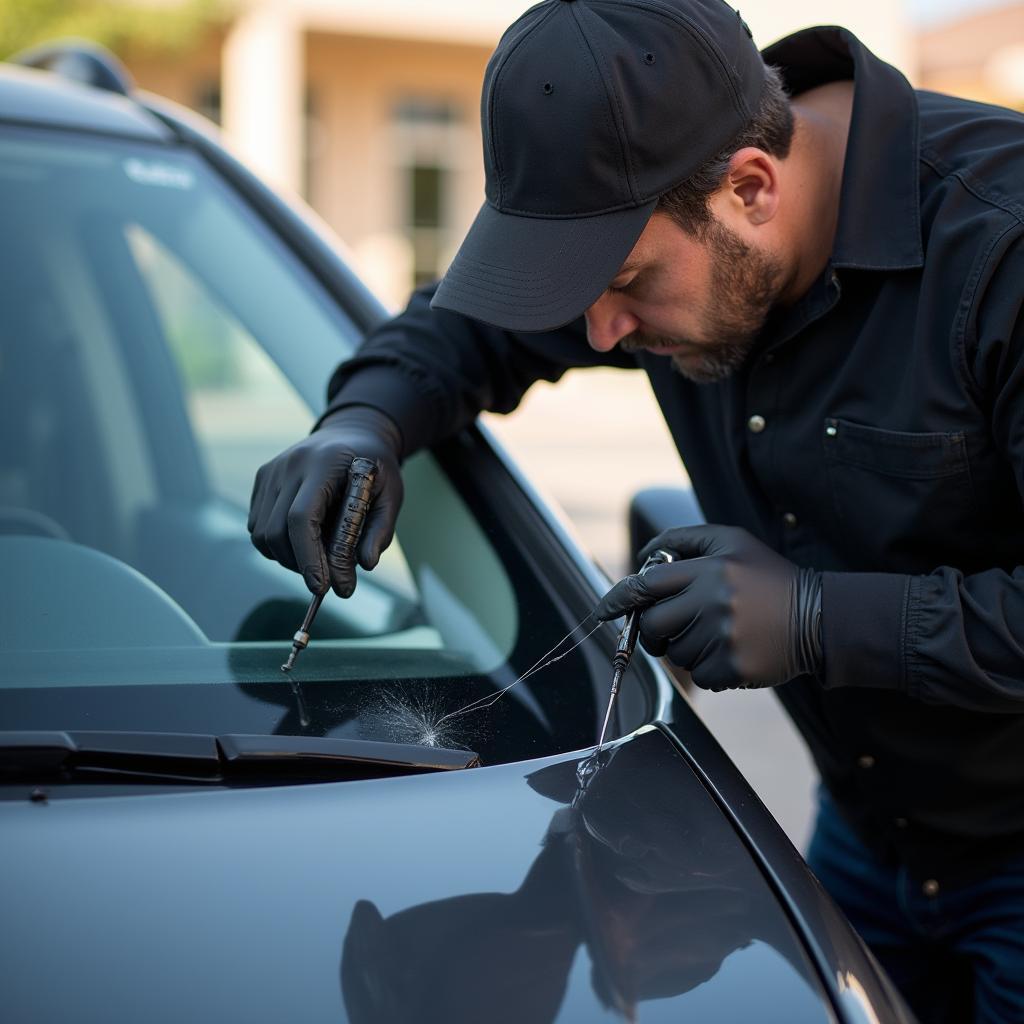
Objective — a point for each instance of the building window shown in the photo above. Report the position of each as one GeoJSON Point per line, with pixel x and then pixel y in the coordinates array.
{"type": "Point", "coordinates": [313, 144]}
{"type": "Point", "coordinates": [208, 101]}
{"type": "Point", "coordinates": [425, 196]}
{"type": "Point", "coordinates": [426, 136]}
{"type": "Point", "coordinates": [425, 110]}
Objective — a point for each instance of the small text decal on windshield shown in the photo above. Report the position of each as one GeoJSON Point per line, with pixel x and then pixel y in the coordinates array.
{"type": "Point", "coordinates": [154, 172]}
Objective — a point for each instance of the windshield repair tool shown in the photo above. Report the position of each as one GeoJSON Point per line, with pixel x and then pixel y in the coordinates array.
{"type": "Point", "coordinates": [342, 552]}
{"type": "Point", "coordinates": [625, 645]}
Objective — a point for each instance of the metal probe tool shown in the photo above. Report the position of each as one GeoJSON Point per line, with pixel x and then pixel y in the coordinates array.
{"type": "Point", "coordinates": [342, 551]}
{"type": "Point", "coordinates": [625, 645]}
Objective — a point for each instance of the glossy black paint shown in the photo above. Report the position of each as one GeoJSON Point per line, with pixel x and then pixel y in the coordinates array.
{"type": "Point", "coordinates": [29, 96]}
{"type": "Point", "coordinates": [495, 894]}
{"type": "Point", "coordinates": [862, 993]}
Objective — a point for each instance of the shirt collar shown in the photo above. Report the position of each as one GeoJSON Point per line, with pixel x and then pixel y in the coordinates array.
{"type": "Point", "coordinates": [879, 224]}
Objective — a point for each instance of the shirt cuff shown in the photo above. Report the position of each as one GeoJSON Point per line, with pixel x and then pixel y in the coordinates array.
{"type": "Point", "coordinates": [392, 393]}
{"type": "Point", "coordinates": [864, 626]}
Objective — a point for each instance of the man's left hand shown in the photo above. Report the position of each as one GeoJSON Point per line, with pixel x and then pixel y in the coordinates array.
{"type": "Point", "coordinates": [731, 611]}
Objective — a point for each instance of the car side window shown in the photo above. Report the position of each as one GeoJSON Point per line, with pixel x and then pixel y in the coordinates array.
{"type": "Point", "coordinates": [242, 408]}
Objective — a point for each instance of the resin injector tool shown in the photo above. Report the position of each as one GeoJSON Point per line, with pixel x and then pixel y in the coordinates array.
{"type": "Point", "coordinates": [625, 645]}
{"type": "Point", "coordinates": [342, 552]}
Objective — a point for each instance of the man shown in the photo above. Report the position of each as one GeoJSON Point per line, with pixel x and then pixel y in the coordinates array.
{"type": "Point", "coordinates": [825, 292]}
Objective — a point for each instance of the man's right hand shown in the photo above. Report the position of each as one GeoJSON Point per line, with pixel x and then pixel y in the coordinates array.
{"type": "Point", "coordinates": [297, 496]}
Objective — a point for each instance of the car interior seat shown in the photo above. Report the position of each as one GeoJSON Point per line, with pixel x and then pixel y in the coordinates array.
{"type": "Point", "coordinates": [58, 592]}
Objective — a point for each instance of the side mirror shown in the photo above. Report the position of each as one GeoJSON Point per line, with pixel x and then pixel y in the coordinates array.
{"type": "Point", "coordinates": [657, 508]}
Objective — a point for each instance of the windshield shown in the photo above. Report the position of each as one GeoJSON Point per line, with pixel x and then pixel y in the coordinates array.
{"type": "Point", "coordinates": [158, 344]}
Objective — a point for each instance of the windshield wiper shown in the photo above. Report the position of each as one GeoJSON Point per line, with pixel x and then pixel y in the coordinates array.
{"type": "Point", "coordinates": [152, 756]}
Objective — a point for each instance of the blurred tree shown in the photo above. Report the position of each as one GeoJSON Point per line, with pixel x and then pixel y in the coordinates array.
{"type": "Point", "coordinates": [118, 24]}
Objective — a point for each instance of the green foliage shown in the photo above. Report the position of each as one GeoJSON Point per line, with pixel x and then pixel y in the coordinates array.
{"type": "Point", "coordinates": [120, 25]}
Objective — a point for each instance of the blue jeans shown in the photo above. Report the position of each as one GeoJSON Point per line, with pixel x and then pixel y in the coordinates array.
{"type": "Point", "coordinates": [956, 954]}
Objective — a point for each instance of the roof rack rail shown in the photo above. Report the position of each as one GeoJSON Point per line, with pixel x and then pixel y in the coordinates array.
{"type": "Point", "coordinates": [79, 60]}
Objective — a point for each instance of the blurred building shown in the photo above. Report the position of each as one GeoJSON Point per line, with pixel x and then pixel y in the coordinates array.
{"type": "Point", "coordinates": [370, 110]}
{"type": "Point", "coordinates": [979, 55]}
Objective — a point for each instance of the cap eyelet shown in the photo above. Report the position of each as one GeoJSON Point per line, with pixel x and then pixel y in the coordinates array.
{"type": "Point", "coordinates": [548, 88]}
{"type": "Point", "coordinates": [649, 57]}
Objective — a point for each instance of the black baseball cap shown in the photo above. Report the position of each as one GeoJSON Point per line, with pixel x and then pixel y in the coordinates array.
{"type": "Point", "coordinates": [591, 110]}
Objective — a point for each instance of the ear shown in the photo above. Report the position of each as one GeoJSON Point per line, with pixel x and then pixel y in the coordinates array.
{"type": "Point", "coordinates": [751, 188]}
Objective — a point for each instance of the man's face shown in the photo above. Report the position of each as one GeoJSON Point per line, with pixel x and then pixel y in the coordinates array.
{"type": "Point", "coordinates": [702, 303]}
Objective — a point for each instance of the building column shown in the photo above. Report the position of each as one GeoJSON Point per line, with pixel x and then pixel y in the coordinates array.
{"type": "Point", "coordinates": [1003, 73]}
{"type": "Point", "coordinates": [263, 87]}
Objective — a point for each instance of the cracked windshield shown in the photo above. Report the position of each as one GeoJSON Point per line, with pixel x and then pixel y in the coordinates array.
{"type": "Point", "coordinates": [159, 344]}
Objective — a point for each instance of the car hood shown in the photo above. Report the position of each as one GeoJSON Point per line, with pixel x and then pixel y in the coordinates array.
{"type": "Point", "coordinates": [513, 893]}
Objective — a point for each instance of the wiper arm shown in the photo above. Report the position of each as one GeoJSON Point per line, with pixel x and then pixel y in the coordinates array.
{"type": "Point", "coordinates": [213, 759]}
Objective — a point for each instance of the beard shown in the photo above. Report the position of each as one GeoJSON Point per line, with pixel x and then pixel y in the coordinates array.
{"type": "Point", "coordinates": [745, 284]}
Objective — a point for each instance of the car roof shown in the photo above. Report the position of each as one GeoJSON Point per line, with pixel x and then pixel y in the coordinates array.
{"type": "Point", "coordinates": [29, 96]}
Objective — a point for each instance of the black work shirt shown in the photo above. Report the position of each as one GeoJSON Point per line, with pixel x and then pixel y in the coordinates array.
{"type": "Point", "coordinates": [876, 432]}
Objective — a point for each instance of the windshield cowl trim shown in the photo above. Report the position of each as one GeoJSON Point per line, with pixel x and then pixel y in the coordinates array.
{"type": "Point", "coordinates": [199, 757]}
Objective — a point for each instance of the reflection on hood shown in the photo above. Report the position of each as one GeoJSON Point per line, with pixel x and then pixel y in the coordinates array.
{"type": "Point", "coordinates": [622, 872]}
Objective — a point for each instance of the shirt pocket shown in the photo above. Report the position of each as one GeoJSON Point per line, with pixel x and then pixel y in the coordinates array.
{"type": "Point", "coordinates": [901, 499]}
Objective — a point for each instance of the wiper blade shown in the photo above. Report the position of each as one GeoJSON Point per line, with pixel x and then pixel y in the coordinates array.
{"type": "Point", "coordinates": [240, 750]}
{"type": "Point", "coordinates": [207, 758]}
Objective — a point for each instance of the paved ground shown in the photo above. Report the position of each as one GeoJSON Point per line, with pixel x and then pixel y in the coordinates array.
{"type": "Point", "coordinates": [589, 443]}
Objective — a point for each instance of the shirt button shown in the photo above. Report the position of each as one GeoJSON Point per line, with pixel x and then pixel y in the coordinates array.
{"type": "Point", "coordinates": [865, 761]}
{"type": "Point", "coordinates": [930, 887]}
{"type": "Point", "coordinates": [831, 430]}
{"type": "Point", "coordinates": [790, 520]}
{"type": "Point", "coordinates": [756, 424]}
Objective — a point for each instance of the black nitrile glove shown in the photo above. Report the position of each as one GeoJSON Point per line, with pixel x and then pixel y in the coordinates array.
{"type": "Point", "coordinates": [732, 611]}
{"type": "Point", "coordinates": [296, 496]}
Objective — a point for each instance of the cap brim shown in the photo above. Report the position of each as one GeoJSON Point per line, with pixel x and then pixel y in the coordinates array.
{"type": "Point", "coordinates": [535, 273]}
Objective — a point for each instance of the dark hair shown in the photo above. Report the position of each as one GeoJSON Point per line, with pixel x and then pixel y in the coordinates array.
{"type": "Point", "coordinates": [770, 129]}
